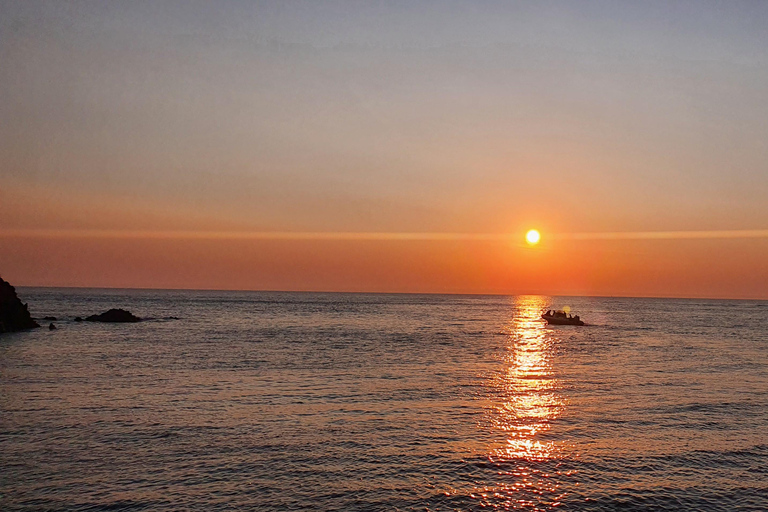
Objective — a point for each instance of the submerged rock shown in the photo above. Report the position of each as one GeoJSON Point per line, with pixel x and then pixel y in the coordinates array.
{"type": "Point", "coordinates": [51, 327]}
{"type": "Point", "coordinates": [114, 315]}
{"type": "Point", "coordinates": [49, 318]}
{"type": "Point", "coordinates": [78, 319]}
{"type": "Point", "coordinates": [14, 316]}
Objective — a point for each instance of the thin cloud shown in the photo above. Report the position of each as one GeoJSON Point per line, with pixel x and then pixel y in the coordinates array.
{"type": "Point", "coordinates": [362, 236]}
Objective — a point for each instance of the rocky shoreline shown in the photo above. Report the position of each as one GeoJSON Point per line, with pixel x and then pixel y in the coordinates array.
{"type": "Point", "coordinates": [14, 315]}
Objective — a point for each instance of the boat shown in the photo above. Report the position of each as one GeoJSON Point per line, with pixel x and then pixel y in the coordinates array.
{"type": "Point", "coordinates": [561, 318]}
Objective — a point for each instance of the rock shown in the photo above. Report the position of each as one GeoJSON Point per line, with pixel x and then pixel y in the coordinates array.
{"type": "Point", "coordinates": [49, 318]}
{"type": "Point", "coordinates": [78, 319]}
{"type": "Point", "coordinates": [14, 316]}
{"type": "Point", "coordinates": [113, 315]}
{"type": "Point", "coordinates": [51, 327]}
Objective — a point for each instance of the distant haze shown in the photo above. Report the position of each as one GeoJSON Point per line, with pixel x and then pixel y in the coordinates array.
{"type": "Point", "coordinates": [385, 117]}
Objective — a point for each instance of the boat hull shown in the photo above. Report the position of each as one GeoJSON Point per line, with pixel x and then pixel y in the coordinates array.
{"type": "Point", "coordinates": [553, 320]}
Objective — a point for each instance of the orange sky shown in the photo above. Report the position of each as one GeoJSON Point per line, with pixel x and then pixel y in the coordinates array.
{"type": "Point", "coordinates": [660, 268]}
{"type": "Point", "coordinates": [394, 118]}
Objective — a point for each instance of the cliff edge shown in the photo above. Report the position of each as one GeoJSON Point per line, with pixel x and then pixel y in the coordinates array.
{"type": "Point", "coordinates": [14, 316]}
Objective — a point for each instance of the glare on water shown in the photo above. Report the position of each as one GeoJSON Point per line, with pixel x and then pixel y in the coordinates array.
{"type": "Point", "coordinates": [528, 400]}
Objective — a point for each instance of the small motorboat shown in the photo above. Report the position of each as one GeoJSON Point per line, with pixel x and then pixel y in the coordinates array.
{"type": "Point", "coordinates": [561, 318]}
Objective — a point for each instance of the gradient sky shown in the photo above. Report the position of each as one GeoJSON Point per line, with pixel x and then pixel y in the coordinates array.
{"type": "Point", "coordinates": [131, 131]}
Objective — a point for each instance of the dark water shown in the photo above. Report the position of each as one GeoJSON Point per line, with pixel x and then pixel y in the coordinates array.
{"type": "Point", "coordinates": [283, 401]}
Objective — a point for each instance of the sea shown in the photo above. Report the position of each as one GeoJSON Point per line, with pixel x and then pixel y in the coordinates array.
{"type": "Point", "coordinates": [226, 400]}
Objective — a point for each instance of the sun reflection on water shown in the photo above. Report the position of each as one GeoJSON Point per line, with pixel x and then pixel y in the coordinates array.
{"type": "Point", "coordinates": [526, 400]}
{"type": "Point", "coordinates": [526, 386]}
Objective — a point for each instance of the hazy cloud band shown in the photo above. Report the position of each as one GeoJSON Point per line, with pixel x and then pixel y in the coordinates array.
{"type": "Point", "coordinates": [362, 236]}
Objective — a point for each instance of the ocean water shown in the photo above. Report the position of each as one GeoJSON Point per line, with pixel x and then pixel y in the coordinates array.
{"type": "Point", "coordinates": [299, 401]}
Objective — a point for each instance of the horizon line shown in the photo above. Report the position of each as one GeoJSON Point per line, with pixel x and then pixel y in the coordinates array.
{"type": "Point", "coordinates": [358, 292]}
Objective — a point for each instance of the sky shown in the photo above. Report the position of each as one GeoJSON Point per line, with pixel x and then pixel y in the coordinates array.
{"type": "Point", "coordinates": [390, 146]}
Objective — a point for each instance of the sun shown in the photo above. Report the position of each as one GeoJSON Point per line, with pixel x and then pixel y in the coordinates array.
{"type": "Point", "coordinates": [532, 237]}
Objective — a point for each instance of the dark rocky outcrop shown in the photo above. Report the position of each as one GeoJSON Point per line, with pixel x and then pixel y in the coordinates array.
{"type": "Point", "coordinates": [49, 318]}
{"type": "Point", "coordinates": [14, 316]}
{"type": "Point", "coordinates": [114, 315]}
{"type": "Point", "coordinates": [51, 327]}
{"type": "Point", "coordinates": [78, 319]}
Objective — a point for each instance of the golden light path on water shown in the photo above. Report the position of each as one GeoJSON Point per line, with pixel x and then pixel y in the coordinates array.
{"type": "Point", "coordinates": [363, 235]}
{"type": "Point", "coordinates": [528, 400]}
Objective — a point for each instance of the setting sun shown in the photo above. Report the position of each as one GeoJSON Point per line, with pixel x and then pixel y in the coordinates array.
{"type": "Point", "coordinates": [532, 237]}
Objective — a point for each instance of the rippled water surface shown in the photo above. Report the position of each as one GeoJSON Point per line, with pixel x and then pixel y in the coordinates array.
{"type": "Point", "coordinates": [291, 401]}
